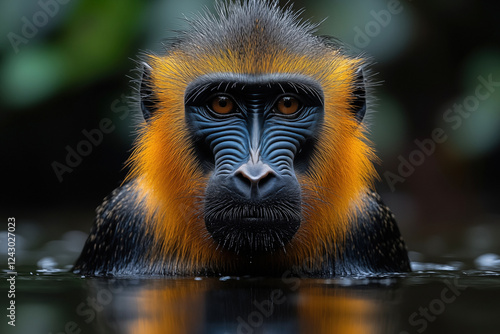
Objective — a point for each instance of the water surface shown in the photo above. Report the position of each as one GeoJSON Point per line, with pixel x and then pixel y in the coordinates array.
{"type": "Point", "coordinates": [432, 299]}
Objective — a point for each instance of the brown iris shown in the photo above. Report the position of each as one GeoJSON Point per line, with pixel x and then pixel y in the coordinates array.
{"type": "Point", "coordinates": [222, 104]}
{"type": "Point", "coordinates": [288, 105]}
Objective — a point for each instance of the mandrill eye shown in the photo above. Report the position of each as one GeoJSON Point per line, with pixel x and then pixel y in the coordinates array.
{"type": "Point", "coordinates": [222, 105]}
{"type": "Point", "coordinates": [288, 105]}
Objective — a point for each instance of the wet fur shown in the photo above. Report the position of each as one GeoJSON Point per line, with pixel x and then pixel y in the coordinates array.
{"type": "Point", "coordinates": [153, 224]}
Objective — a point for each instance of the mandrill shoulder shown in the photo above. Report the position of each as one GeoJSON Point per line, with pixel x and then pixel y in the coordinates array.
{"type": "Point", "coordinates": [118, 243]}
{"type": "Point", "coordinates": [374, 243]}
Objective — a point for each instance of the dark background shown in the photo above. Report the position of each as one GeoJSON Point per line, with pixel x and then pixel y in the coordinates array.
{"type": "Point", "coordinates": [76, 69]}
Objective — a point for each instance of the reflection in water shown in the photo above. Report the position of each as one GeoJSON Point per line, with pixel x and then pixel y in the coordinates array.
{"type": "Point", "coordinates": [325, 310]}
{"type": "Point", "coordinates": [174, 307]}
{"type": "Point", "coordinates": [429, 301]}
{"type": "Point", "coordinates": [246, 305]}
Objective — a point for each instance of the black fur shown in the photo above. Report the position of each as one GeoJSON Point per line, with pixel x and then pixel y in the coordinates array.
{"type": "Point", "coordinates": [374, 244]}
{"type": "Point", "coordinates": [119, 243]}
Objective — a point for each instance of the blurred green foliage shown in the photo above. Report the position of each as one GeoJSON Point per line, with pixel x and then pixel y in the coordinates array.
{"type": "Point", "coordinates": [83, 47]}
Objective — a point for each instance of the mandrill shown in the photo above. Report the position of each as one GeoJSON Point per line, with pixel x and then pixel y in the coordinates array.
{"type": "Point", "coordinates": [252, 159]}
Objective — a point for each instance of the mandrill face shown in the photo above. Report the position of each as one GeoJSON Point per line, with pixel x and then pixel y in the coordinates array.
{"type": "Point", "coordinates": [254, 134]}
{"type": "Point", "coordinates": [253, 142]}
{"type": "Point", "coordinates": [252, 158]}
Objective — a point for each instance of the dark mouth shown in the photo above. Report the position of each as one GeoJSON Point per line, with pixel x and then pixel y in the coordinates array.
{"type": "Point", "coordinates": [265, 231]}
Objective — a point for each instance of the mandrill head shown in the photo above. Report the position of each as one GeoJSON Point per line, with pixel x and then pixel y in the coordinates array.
{"type": "Point", "coordinates": [253, 144]}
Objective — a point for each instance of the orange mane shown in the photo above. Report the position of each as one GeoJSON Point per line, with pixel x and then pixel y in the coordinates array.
{"type": "Point", "coordinates": [172, 183]}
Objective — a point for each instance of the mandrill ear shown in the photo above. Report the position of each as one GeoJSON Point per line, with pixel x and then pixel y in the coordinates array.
{"type": "Point", "coordinates": [359, 101]}
{"type": "Point", "coordinates": [148, 105]}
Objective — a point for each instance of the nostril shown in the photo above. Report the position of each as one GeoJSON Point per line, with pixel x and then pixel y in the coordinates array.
{"type": "Point", "coordinates": [265, 179]}
{"type": "Point", "coordinates": [243, 178]}
{"type": "Point", "coordinates": [255, 174]}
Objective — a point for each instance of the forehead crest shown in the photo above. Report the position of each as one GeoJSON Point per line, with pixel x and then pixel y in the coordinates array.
{"type": "Point", "coordinates": [254, 37]}
{"type": "Point", "coordinates": [255, 24]}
